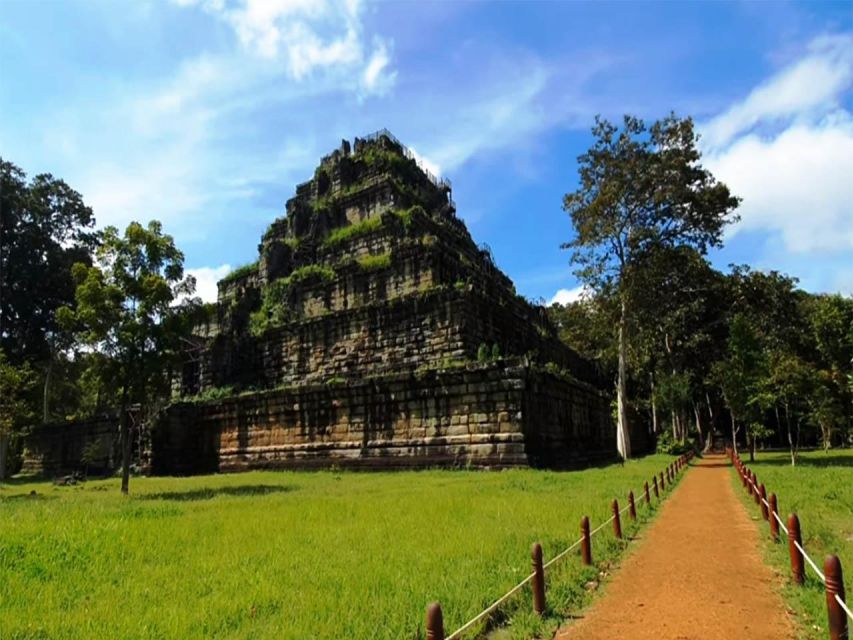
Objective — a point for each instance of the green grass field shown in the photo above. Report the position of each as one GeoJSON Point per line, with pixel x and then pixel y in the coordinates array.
{"type": "Point", "coordinates": [297, 555]}
{"type": "Point", "coordinates": [820, 490]}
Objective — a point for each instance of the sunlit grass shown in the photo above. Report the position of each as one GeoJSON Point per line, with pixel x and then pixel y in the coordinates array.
{"type": "Point", "coordinates": [296, 555]}
{"type": "Point", "coordinates": [820, 490]}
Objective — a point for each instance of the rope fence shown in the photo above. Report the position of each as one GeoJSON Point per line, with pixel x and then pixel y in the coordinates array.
{"type": "Point", "coordinates": [435, 617]}
{"type": "Point", "coordinates": [832, 576]}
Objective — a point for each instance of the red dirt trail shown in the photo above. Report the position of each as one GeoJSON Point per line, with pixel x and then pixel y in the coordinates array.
{"type": "Point", "coordinates": [696, 575]}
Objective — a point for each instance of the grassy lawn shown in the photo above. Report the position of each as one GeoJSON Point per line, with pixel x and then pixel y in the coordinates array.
{"type": "Point", "coordinates": [820, 490]}
{"type": "Point", "coordinates": [299, 555]}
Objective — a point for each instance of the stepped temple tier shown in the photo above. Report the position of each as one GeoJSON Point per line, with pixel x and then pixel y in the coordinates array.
{"type": "Point", "coordinates": [373, 332]}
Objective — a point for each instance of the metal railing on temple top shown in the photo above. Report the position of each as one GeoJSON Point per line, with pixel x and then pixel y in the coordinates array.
{"type": "Point", "coordinates": [441, 183]}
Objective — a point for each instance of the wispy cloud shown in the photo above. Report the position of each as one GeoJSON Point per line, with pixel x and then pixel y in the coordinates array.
{"type": "Point", "coordinates": [308, 36]}
{"type": "Point", "coordinates": [809, 87]}
{"type": "Point", "coordinates": [787, 150]}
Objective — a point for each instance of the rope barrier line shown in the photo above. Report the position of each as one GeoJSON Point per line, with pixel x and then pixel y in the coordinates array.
{"type": "Point", "coordinates": [490, 609]}
{"type": "Point", "coordinates": [563, 553]}
{"type": "Point", "coordinates": [601, 526]}
{"type": "Point", "coordinates": [800, 548]}
{"type": "Point", "coordinates": [497, 603]}
{"type": "Point", "coordinates": [781, 524]}
{"type": "Point", "coordinates": [843, 606]}
{"type": "Point", "coordinates": [811, 562]}
{"type": "Point", "coordinates": [796, 544]}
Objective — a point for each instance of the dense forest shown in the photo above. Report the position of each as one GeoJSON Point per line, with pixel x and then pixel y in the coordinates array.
{"type": "Point", "coordinates": [90, 320]}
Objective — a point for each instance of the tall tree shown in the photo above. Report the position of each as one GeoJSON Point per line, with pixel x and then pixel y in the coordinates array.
{"type": "Point", "coordinates": [640, 188]}
{"type": "Point", "coordinates": [680, 330]}
{"type": "Point", "coordinates": [45, 228]}
{"type": "Point", "coordinates": [128, 309]}
{"type": "Point", "coordinates": [15, 408]}
{"type": "Point", "coordinates": [739, 374]}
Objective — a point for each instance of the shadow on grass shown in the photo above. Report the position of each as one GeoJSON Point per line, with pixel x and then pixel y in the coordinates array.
{"type": "Point", "coordinates": [815, 459]}
{"type": "Point", "coordinates": [32, 496]}
{"type": "Point", "coordinates": [208, 493]}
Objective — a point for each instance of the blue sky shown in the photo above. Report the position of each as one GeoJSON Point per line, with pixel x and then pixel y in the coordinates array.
{"type": "Point", "coordinates": [205, 114]}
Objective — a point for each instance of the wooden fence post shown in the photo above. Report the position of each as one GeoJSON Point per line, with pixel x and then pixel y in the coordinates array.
{"type": "Point", "coordinates": [794, 535]}
{"type": "Point", "coordinates": [655, 478]}
{"type": "Point", "coordinates": [774, 524]}
{"type": "Point", "coordinates": [632, 508]}
{"type": "Point", "coordinates": [434, 622]}
{"type": "Point", "coordinates": [586, 546]}
{"type": "Point", "coordinates": [838, 628]}
{"type": "Point", "coordinates": [762, 497]}
{"type": "Point", "coordinates": [538, 583]}
{"type": "Point", "coordinates": [617, 524]}
{"type": "Point", "coordinates": [646, 493]}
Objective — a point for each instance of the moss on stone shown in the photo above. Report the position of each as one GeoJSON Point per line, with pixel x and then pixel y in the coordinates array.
{"type": "Point", "coordinates": [342, 234]}
{"type": "Point", "coordinates": [374, 262]}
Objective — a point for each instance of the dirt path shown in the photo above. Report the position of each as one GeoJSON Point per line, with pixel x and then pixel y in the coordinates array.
{"type": "Point", "coordinates": [697, 574]}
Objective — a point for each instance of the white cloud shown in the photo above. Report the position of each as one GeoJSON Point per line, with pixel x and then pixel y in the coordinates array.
{"type": "Point", "coordinates": [206, 279]}
{"type": "Point", "coordinates": [811, 85]}
{"type": "Point", "coordinates": [798, 184]}
{"type": "Point", "coordinates": [787, 150]}
{"type": "Point", "coordinates": [375, 79]}
{"type": "Point", "coordinates": [307, 36]}
{"type": "Point", "coordinates": [566, 296]}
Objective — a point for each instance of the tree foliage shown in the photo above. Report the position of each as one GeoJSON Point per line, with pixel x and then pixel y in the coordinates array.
{"type": "Point", "coordinates": [45, 228]}
{"type": "Point", "coordinates": [642, 191]}
{"type": "Point", "coordinates": [129, 309]}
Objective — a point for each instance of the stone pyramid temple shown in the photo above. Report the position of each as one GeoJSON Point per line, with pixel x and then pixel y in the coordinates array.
{"type": "Point", "coordinates": [373, 332]}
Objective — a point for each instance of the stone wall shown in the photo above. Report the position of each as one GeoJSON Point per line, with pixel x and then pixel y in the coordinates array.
{"type": "Point", "coordinates": [482, 416]}
{"type": "Point", "coordinates": [57, 449]}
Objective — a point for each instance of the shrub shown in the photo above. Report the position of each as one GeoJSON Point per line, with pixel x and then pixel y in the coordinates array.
{"type": "Point", "coordinates": [372, 263]}
{"type": "Point", "coordinates": [483, 353]}
{"type": "Point", "coordinates": [669, 445]}
{"type": "Point", "coordinates": [342, 234]}
{"type": "Point", "coordinates": [320, 271]}
{"type": "Point", "coordinates": [241, 272]}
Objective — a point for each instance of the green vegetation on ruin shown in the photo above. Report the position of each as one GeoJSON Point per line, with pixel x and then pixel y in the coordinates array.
{"type": "Point", "coordinates": [241, 272]}
{"type": "Point", "coordinates": [342, 234]}
{"type": "Point", "coordinates": [274, 310]}
{"type": "Point", "coordinates": [820, 491]}
{"type": "Point", "coordinates": [309, 271]}
{"type": "Point", "coordinates": [374, 262]}
{"type": "Point", "coordinates": [290, 555]}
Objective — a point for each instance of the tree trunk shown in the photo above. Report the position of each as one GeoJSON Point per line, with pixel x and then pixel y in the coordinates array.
{"type": "Point", "coordinates": [702, 439]}
{"type": "Point", "coordinates": [751, 441]}
{"type": "Point", "coordinates": [4, 452]}
{"type": "Point", "coordinates": [654, 407]}
{"type": "Point", "coordinates": [48, 375]}
{"type": "Point", "coordinates": [710, 413]}
{"type": "Point", "coordinates": [673, 418]}
{"type": "Point", "coordinates": [124, 425]}
{"type": "Point", "coordinates": [734, 432]}
{"type": "Point", "coordinates": [623, 435]}
{"type": "Point", "coordinates": [791, 437]}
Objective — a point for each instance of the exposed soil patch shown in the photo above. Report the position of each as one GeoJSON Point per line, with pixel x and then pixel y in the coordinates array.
{"type": "Point", "coordinates": [697, 573]}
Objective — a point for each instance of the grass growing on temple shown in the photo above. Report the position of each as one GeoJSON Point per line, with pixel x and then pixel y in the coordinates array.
{"type": "Point", "coordinates": [820, 490]}
{"type": "Point", "coordinates": [298, 554]}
